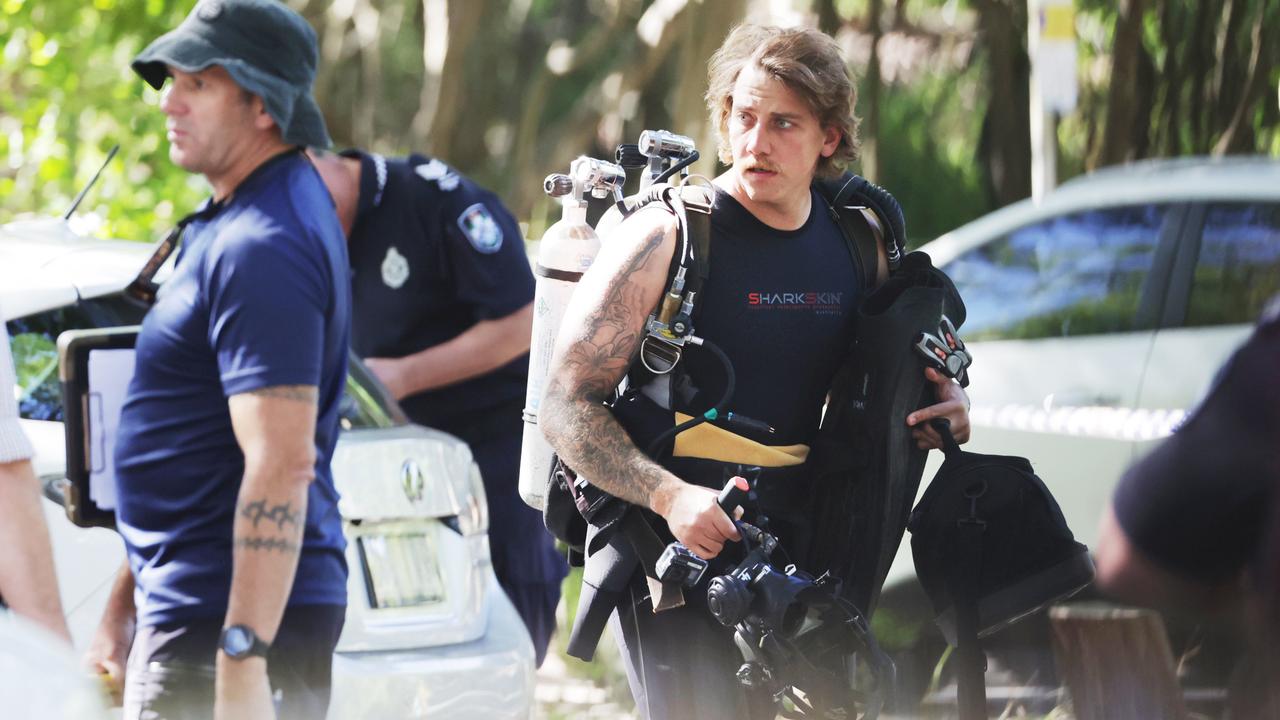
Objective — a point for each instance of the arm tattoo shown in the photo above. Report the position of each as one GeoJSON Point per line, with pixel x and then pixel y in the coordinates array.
{"type": "Point", "coordinates": [267, 544]}
{"type": "Point", "coordinates": [257, 511]}
{"type": "Point", "coordinates": [588, 437]}
{"type": "Point", "coordinates": [299, 393]}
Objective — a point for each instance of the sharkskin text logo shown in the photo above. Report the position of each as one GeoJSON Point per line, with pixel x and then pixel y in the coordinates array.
{"type": "Point", "coordinates": [816, 302]}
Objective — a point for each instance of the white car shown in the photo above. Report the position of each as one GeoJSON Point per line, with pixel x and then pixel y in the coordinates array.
{"type": "Point", "coordinates": [1098, 317]}
{"type": "Point", "coordinates": [1096, 320]}
{"type": "Point", "coordinates": [429, 632]}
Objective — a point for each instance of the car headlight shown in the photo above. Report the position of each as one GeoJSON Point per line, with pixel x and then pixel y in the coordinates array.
{"type": "Point", "coordinates": [473, 513]}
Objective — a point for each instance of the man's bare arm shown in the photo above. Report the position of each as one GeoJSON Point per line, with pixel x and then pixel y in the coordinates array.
{"type": "Point", "coordinates": [1124, 572]}
{"type": "Point", "coordinates": [275, 428]}
{"type": "Point", "coordinates": [108, 652]}
{"type": "Point", "coordinates": [27, 579]}
{"type": "Point", "coordinates": [598, 341]}
{"type": "Point", "coordinates": [481, 348]}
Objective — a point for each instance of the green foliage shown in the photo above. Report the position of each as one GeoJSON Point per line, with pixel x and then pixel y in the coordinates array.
{"type": "Point", "coordinates": [927, 151]}
{"type": "Point", "coordinates": [35, 360]}
{"type": "Point", "coordinates": [67, 95]}
{"type": "Point", "coordinates": [898, 629]}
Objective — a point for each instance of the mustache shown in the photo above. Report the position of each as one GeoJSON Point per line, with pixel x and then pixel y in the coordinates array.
{"type": "Point", "coordinates": [761, 165]}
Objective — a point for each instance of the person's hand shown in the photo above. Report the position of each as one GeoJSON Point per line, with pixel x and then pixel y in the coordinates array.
{"type": "Point", "coordinates": [108, 655]}
{"type": "Point", "coordinates": [243, 691]}
{"type": "Point", "coordinates": [697, 521]}
{"type": "Point", "coordinates": [953, 404]}
{"type": "Point", "coordinates": [391, 373]}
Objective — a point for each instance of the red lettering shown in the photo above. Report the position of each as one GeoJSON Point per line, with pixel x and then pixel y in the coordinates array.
{"type": "Point", "coordinates": [753, 298]}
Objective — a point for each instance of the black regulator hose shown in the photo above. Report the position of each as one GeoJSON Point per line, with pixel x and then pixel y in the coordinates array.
{"type": "Point", "coordinates": [684, 163]}
{"type": "Point", "coordinates": [715, 412]}
{"type": "Point", "coordinates": [629, 205]}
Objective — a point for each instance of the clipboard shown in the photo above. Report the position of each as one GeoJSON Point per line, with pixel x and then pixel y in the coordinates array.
{"type": "Point", "coordinates": [95, 367]}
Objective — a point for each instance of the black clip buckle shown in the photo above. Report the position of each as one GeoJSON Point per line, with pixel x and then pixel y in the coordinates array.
{"type": "Point", "coordinates": [946, 352]}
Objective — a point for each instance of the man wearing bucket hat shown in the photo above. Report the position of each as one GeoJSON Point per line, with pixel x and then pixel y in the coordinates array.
{"type": "Point", "coordinates": [226, 500]}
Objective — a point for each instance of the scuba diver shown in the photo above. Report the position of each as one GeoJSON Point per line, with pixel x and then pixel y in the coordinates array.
{"type": "Point", "coordinates": [777, 312]}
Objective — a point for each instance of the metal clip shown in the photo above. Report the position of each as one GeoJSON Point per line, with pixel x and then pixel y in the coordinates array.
{"type": "Point", "coordinates": [659, 357]}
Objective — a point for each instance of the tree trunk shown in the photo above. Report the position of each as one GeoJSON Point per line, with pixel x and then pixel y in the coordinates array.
{"type": "Point", "coordinates": [1232, 68]}
{"type": "Point", "coordinates": [1172, 20]}
{"type": "Point", "coordinates": [1005, 146]}
{"type": "Point", "coordinates": [689, 108]}
{"type": "Point", "coordinates": [829, 20]}
{"type": "Point", "coordinates": [1238, 136]}
{"type": "Point", "coordinates": [1116, 662]}
{"type": "Point", "coordinates": [462, 85]}
{"type": "Point", "coordinates": [871, 119]}
{"type": "Point", "coordinates": [1200, 61]}
{"type": "Point", "coordinates": [1122, 110]}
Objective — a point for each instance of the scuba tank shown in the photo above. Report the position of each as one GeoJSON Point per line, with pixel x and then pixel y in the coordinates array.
{"type": "Point", "coordinates": [565, 252]}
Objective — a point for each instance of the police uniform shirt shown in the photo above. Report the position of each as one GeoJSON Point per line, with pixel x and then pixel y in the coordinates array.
{"type": "Point", "coordinates": [433, 253]}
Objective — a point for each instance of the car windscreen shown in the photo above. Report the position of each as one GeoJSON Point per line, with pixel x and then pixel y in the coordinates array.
{"type": "Point", "coordinates": [33, 341]}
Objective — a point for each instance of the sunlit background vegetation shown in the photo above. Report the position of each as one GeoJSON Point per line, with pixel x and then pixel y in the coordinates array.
{"type": "Point", "coordinates": [510, 90]}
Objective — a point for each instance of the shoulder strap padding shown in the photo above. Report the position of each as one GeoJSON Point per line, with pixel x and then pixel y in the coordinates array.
{"type": "Point", "coordinates": [868, 216]}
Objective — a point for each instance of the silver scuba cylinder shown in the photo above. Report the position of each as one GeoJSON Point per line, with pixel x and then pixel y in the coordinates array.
{"type": "Point", "coordinates": [565, 252]}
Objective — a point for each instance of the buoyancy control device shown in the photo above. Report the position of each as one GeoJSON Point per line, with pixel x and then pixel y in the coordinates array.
{"type": "Point", "coordinates": [565, 252]}
{"type": "Point", "coordinates": [866, 463]}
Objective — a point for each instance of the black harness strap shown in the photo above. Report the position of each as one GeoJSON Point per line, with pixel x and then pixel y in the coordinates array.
{"type": "Point", "coordinates": [860, 227]}
{"type": "Point", "coordinates": [971, 687]}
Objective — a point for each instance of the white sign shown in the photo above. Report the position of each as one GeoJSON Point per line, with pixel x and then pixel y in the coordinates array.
{"type": "Point", "coordinates": [1055, 55]}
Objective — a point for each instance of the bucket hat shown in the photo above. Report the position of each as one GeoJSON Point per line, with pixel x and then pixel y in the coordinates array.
{"type": "Point", "coordinates": [267, 48]}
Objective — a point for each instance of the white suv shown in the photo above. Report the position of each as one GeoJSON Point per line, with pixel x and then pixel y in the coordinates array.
{"type": "Point", "coordinates": [429, 632]}
{"type": "Point", "coordinates": [1098, 317]}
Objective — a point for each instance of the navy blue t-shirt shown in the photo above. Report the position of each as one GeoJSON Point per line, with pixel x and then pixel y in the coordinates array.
{"type": "Point", "coordinates": [432, 254]}
{"type": "Point", "coordinates": [258, 298]}
{"type": "Point", "coordinates": [781, 305]}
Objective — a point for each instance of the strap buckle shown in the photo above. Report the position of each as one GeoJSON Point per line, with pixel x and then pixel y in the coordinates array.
{"type": "Point", "coordinates": [946, 352]}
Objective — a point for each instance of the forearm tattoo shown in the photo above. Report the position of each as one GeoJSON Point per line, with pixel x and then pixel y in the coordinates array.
{"type": "Point", "coordinates": [257, 511]}
{"type": "Point", "coordinates": [300, 393]}
{"type": "Point", "coordinates": [283, 516]}
{"type": "Point", "coordinates": [589, 439]}
{"type": "Point", "coordinates": [267, 544]}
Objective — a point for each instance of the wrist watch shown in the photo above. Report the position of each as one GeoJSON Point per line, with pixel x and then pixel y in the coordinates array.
{"type": "Point", "coordinates": [240, 642]}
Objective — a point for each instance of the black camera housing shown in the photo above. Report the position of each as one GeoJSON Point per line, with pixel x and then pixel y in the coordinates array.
{"type": "Point", "coordinates": [678, 564]}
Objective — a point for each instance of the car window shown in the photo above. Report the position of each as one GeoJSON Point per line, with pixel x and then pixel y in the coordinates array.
{"type": "Point", "coordinates": [1077, 274]}
{"type": "Point", "coordinates": [1238, 268]}
{"type": "Point", "coordinates": [364, 404]}
{"type": "Point", "coordinates": [33, 341]}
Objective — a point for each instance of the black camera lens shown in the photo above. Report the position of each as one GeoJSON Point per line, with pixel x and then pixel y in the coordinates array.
{"type": "Point", "coordinates": [728, 599]}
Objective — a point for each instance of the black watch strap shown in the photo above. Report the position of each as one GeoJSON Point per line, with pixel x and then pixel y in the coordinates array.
{"type": "Point", "coordinates": [240, 641]}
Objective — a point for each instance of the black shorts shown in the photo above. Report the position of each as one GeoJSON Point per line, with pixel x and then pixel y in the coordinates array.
{"type": "Point", "coordinates": [172, 666]}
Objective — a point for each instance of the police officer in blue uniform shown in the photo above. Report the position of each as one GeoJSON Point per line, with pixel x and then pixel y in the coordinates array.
{"type": "Point", "coordinates": [442, 294]}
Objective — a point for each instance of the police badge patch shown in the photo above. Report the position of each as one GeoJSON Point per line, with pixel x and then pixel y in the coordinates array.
{"type": "Point", "coordinates": [395, 269]}
{"type": "Point", "coordinates": [480, 227]}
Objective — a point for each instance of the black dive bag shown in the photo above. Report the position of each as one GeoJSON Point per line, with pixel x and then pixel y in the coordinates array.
{"type": "Point", "coordinates": [991, 546]}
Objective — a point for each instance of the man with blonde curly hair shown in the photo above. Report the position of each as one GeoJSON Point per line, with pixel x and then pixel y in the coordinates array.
{"type": "Point", "coordinates": [779, 301]}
